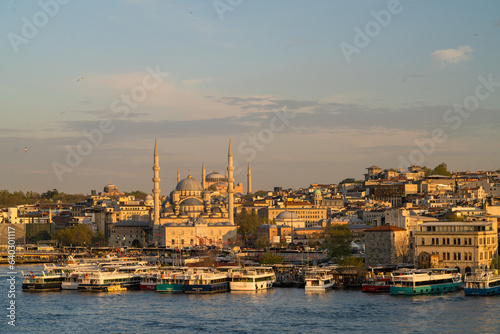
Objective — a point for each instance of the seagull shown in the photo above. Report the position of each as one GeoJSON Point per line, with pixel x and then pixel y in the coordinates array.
{"type": "Point", "coordinates": [476, 34]}
{"type": "Point", "coordinates": [62, 113]}
{"type": "Point", "coordinates": [25, 149]}
{"type": "Point", "coordinates": [79, 79]}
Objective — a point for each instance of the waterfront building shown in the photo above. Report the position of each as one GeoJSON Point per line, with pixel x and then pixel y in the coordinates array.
{"type": "Point", "coordinates": [465, 245]}
{"type": "Point", "coordinates": [385, 245]}
{"type": "Point", "coordinates": [129, 233]}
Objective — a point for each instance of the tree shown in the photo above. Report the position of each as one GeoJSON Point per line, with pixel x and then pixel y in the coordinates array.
{"type": "Point", "coordinates": [139, 195]}
{"type": "Point", "coordinates": [348, 180]}
{"type": "Point", "coordinates": [352, 261]}
{"type": "Point", "coordinates": [100, 239]}
{"type": "Point", "coordinates": [248, 223]}
{"type": "Point", "coordinates": [79, 235]}
{"type": "Point", "coordinates": [441, 169]}
{"type": "Point", "coordinates": [262, 242]}
{"type": "Point", "coordinates": [338, 242]}
{"type": "Point", "coordinates": [270, 258]}
{"type": "Point", "coordinates": [260, 193]}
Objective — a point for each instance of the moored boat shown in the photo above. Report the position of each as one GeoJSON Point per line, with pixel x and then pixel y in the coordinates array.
{"type": "Point", "coordinates": [251, 278]}
{"type": "Point", "coordinates": [482, 283]}
{"type": "Point", "coordinates": [424, 281]}
{"type": "Point", "coordinates": [171, 282]}
{"type": "Point", "coordinates": [318, 280]}
{"type": "Point", "coordinates": [41, 281]}
{"type": "Point", "coordinates": [377, 283]}
{"type": "Point", "coordinates": [206, 281]}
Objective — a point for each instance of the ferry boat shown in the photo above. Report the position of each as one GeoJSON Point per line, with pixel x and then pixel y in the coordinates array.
{"type": "Point", "coordinates": [41, 281]}
{"type": "Point", "coordinates": [100, 280]}
{"type": "Point", "coordinates": [318, 280]}
{"type": "Point", "coordinates": [252, 279]}
{"type": "Point", "coordinates": [171, 282]}
{"type": "Point", "coordinates": [377, 283]}
{"type": "Point", "coordinates": [483, 283]}
{"type": "Point", "coordinates": [150, 280]}
{"type": "Point", "coordinates": [206, 281]}
{"type": "Point", "coordinates": [424, 281]}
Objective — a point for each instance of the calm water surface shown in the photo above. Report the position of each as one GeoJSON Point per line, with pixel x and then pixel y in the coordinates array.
{"type": "Point", "coordinates": [275, 311]}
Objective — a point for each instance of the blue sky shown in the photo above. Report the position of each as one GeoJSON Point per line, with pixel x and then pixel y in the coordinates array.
{"type": "Point", "coordinates": [234, 69]}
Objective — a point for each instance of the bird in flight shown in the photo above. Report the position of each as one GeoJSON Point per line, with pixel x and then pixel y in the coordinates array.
{"type": "Point", "coordinates": [476, 34]}
{"type": "Point", "coordinates": [79, 79]}
{"type": "Point", "coordinates": [62, 113]}
{"type": "Point", "coordinates": [25, 149]}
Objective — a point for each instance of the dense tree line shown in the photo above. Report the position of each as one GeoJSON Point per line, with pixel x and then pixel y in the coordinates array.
{"type": "Point", "coordinates": [8, 199]}
{"type": "Point", "coordinates": [81, 235]}
{"type": "Point", "coordinates": [248, 223]}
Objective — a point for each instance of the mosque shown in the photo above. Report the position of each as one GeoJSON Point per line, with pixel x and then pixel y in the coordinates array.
{"type": "Point", "coordinates": [189, 216]}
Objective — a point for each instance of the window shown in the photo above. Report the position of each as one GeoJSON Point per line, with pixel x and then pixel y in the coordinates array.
{"type": "Point", "coordinates": [423, 241]}
{"type": "Point", "coordinates": [459, 256]}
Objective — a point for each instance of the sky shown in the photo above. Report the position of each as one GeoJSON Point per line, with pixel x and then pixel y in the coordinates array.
{"type": "Point", "coordinates": [308, 91]}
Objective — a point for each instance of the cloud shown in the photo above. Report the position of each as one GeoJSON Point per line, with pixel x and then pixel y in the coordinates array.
{"type": "Point", "coordinates": [453, 56]}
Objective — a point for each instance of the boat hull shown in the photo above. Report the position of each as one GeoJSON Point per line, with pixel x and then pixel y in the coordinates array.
{"type": "Point", "coordinates": [375, 288]}
{"type": "Point", "coordinates": [207, 288]}
{"type": "Point", "coordinates": [243, 286]}
{"type": "Point", "coordinates": [41, 287]}
{"type": "Point", "coordinates": [170, 287]}
{"type": "Point", "coordinates": [425, 289]}
{"type": "Point", "coordinates": [148, 286]}
{"type": "Point", "coordinates": [482, 292]}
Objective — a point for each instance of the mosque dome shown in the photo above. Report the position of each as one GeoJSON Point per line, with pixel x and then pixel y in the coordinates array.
{"type": "Point", "coordinates": [215, 177]}
{"type": "Point", "coordinates": [317, 192]}
{"type": "Point", "coordinates": [287, 215]}
{"type": "Point", "coordinates": [189, 184]}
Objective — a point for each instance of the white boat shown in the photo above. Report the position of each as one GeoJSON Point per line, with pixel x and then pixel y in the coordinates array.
{"type": "Point", "coordinates": [252, 279]}
{"type": "Point", "coordinates": [424, 281]}
{"type": "Point", "coordinates": [318, 280]}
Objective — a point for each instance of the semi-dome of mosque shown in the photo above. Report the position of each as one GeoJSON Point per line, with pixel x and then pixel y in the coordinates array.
{"type": "Point", "coordinates": [189, 184]}
{"type": "Point", "coordinates": [287, 215]}
{"type": "Point", "coordinates": [191, 202]}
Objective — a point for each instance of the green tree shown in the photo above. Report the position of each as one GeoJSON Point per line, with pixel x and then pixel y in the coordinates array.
{"type": "Point", "coordinates": [99, 239]}
{"type": "Point", "coordinates": [248, 223]}
{"type": "Point", "coordinates": [441, 169]}
{"type": "Point", "coordinates": [338, 242]}
{"type": "Point", "coordinates": [262, 242]}
{"type": "Point", "coordinates": [139, 195]}
{"type": "Point", "coordinates": [260, 193]}
{"type": "Point", "coordinates": [78, 235]}
{"type": "Point", "coordinates": [352, 261]}
{"type": "Point", "coordinates": [348, 180]}
{"type": "Point", "coordinates": [270, 258]}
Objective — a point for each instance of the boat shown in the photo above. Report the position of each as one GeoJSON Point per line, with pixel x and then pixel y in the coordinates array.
{"type": "Point", "coordinates": [41, 281]}
{"type": "Point", "coordinates": [377, 283]}
{"type": "Point", "coordinates": [482, 283]}
{"type": "Point", "coordinates": [424, 281]}
{"type": "Point", "coordinates": [251, 279]}
{"type": "Point", "coordinates": [101, 280]}
{"type": "Point", "coordinates": [206, 281]}
{"type": "Point", "coordinates": [171, 282]}
{"type": "Point", "coordinates": [150, 280]}
{"type": "Point", "coordinates": [318, 280]}
{"type": "Point", "coordinates": [115, 288]}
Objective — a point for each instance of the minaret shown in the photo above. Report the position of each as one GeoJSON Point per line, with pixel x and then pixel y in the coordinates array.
{"type": "Point", "coordinates": [230, 181]}
{"type": "Point", "coordinates": [156, 193]}
{"type": "Point", "coordinates": [249, 180]}
{"type": "Point", "coordinates": [178, 175]}
{"type": "Point", "coordinates": [203, 184]}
